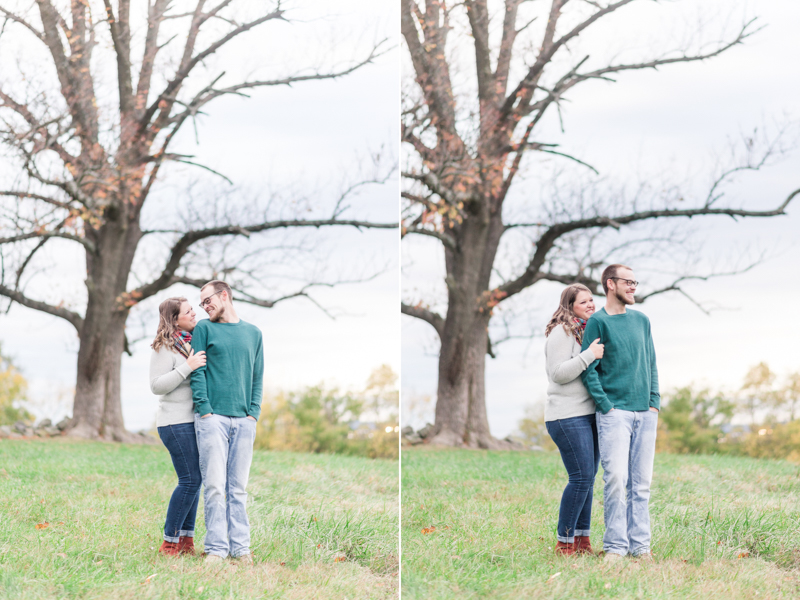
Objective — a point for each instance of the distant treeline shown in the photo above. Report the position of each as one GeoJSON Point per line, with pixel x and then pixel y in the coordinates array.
{"type": "Point", "coordinates": [700, 420]}
{"type": "Point", "coordinates": [326, 419]}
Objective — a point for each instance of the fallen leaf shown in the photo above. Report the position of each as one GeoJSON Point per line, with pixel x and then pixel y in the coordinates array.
{"type": "Point", "coordinates": [553, 576]}
{"type": "Point", "coordinates": [428, 530]}
{"type": "Point", "coordinates": [319, 545]}
{"type": "Point", "coordinates": [99, 562]}
{"type": "Point", "coordinates": [149, 577]}
{"type": "Point", "coordinates": [745, 554]}
{"type": "Point", "coordinates": [339, 559]}
{"type": "Point", "coordinates": [62, 555]}
{"type": "Point", "coordinates": [44, 525]}
{"type": "Point", "coordinates": [61, 522]}
{"type": "Point", "coordinates": [283, 564]}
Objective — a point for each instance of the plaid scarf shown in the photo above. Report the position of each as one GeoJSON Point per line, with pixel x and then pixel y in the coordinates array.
{"type": "Point", "coordinates": [182, 340]}
{"type": "Point", "coordinates": [581, 327]}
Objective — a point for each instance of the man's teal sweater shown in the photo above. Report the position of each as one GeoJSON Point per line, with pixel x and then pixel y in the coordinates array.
{"type": "Point", "coordinates": [626, 377]}
{"type": "Point", "coordinates": [232, 382]}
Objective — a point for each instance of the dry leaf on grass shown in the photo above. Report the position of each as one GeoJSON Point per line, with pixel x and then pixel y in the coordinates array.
{"type": "Point", "coordinates": [428, 530]}
{"type": "Point", "coordinates": [339, 559]}
{"type": "Point", "coordinates": [44, 525]}
{"type": "Point", "coordinates": [149, 577]}
{"type": "Point", "coordinates": [62, 555]}
{"type": "Point", "coordinates": [745, 554]}
{"type": "Point", "coordinates": [553, 576]}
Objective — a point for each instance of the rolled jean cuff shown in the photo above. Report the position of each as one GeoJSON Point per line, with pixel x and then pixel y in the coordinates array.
{"type": "Point", "coordinates": [582, 532]}
{"type": "Point", "coordinates": [565, 540]}
{"type": "Point", "coordinates": [182, 533]}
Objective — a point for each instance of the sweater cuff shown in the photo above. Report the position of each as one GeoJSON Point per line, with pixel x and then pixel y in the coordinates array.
{"type": "Point", "coordinates": [185, 370]}
{"type": "Point", "coordinates": [604, 406]}
{"type": "Point", "coordinates": [587, 356]}
{"type": "Point", "coordinates": [203, 408]}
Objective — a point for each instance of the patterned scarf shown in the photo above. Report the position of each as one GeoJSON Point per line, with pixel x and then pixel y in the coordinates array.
{"type": "Point", "coordinates": [581, 327]}
{"type": "Point", "coordinates": [182, 341]}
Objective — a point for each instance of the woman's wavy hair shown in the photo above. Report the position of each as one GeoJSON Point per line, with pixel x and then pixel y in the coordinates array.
{"type": "Point", "coordinates": [168, 312]}
{"type": "Point", "coordinates": [564, 314]}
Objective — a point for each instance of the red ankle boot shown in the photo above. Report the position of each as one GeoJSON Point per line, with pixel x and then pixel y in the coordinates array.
{"type": "Point", "coordinates": [564, 549]}
{"type": "Point", "coordinates": [169, 549]}
{"type": "Point", "coordinates": [582, 545]}
{"type": "Point", "coordinates": [186, 545]}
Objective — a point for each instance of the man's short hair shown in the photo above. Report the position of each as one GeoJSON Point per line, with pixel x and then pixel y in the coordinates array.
{"type": "Point", "coordinates": [219, 286]}
{"type": "Point", "coordinates": [610, 272]}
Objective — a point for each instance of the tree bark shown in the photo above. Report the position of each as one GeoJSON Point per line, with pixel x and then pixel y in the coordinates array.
{"type": "Point", "coordinates": [97, 409]}
{"type": "Point", "coordinates": [461, 417]}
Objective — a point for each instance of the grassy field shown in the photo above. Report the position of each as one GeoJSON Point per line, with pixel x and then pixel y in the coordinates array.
{"type": "Point", "coordinates": [723, 527]}
{"type": "Point", "coordinates": [84, 520]}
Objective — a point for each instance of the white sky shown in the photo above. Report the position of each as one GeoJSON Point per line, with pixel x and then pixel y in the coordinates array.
{"type": "Point", "coordinates": [674, 121]}
{"type": "Point", "coordinates": [308, 138]}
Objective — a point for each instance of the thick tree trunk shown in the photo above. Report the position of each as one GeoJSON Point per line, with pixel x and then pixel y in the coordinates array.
{"type": "Point", "coordinates": [97, 409]}
{"type": "Point", "coordinates": [461, 418]}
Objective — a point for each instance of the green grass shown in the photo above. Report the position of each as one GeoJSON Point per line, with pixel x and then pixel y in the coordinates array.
{"type": "Point", "coordinates": [495, 516]}
{"type": "Point", "coordinates": [105, 505]}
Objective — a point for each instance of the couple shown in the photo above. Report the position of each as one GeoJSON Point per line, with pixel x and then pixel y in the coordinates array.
{"type": "Point", "coordinates": [602, 405]}
{"type": "Point", "coordinates": [209, 375]}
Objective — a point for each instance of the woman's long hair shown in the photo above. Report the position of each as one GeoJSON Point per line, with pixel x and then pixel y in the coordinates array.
{"type": "Point", "coordinates": [168, 312]}
{"type": "Point", "coordinates": [564, 314]}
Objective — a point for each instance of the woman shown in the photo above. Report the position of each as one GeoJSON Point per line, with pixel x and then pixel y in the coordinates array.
{"type": "Point", "coordinates": [170, 365]}
{"type": "Point", "coordinates": [570, 414]}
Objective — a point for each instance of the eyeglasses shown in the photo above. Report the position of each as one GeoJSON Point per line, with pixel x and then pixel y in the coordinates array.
{"type": "Point", "coordinates": [629, 282]}
{"type": "Point", "coordinates": [207, 301]}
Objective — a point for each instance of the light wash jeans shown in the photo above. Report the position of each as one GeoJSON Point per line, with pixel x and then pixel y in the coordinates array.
{"type": "Point", "coordinates": [225, 445]}
{"type": "Point", "coordinates": [627, 442]}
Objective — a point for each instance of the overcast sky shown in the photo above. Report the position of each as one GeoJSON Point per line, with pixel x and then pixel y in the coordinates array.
{"type": "Point", "coordinates": [307, 140]}
{"type": "Point", "coordinates": [674, 124]}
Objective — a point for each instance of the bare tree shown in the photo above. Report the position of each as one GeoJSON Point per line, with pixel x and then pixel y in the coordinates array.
{"type": "Point", "coordinates": [88, 166]}
{"type": "Point", "coordinates": [466, 143]}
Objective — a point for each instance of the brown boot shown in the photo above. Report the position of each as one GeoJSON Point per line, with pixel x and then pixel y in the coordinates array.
{"type": "Point", "coordinates": [564, 549]}
{"type": "Point", "coordinates": [186, 545]}
{"type": "Point", "coordinates": [169, 549]}
{"type": "Point", "coordinates": [582, 545]}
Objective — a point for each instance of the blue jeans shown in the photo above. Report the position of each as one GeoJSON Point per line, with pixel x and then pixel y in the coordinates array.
{"type": "Point", "coordinates": [627, 450]}
{"type": "Point", "coordinates": [576, 439]}
{"type": "Point", "coordinates": [181, 442]}
{"type": "Point", "coordinates": [226, 451]}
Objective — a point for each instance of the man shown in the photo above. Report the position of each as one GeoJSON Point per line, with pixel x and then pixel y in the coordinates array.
{"type": "Point", "coordinates": [227, 402]}
{"type": "Point", "coordinates": [624, 385]}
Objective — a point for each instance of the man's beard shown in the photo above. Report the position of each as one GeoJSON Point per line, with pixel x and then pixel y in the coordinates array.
{"type": "Point", "coordinates": [623, 298]}
{"type": "Point", "coordinates": [217, 315]}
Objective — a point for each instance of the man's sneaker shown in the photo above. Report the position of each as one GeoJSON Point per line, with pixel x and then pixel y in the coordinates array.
{"type": "Point", "coordinates": [644, 556]}
{"type": "Point", "coordinates": [245, 560]}
{"type": "Point", "coordinates": [611, 557]}
{"type": "Point", "coordinates": [212, 559]}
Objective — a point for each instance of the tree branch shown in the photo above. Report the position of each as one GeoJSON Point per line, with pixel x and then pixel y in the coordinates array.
{"type": "Point", "coordinates": [447, 240]}
{"type": "Point", "coordinates": [181, 247]}
{"type": "Point", "coordinates": [548, 239]}
{"type": "Point", "coordinates": [58, 311]}
{"type": "Point", "coordinates": [430, 317]}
